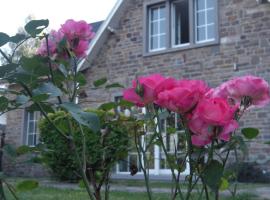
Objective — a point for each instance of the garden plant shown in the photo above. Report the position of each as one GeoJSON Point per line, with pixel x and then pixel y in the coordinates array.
{"type": "Point", "coordinates": [209, 118]}
{"type": "Point", "coordinates": [50, 82]}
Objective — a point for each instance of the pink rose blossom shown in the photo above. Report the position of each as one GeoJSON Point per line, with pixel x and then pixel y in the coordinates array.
{"type": "Point", "coordinates": [180, 96]}
{"type": "Point", "coordinates": [148, 83]}
{"type": "Point", "coordinates": [77, 30]}
{"type": "Point", "coordinates": [78, 35]}
{"type": "Point", "coordinates": [54, 38]}
{"type": "Point", "coordinates": [252, 87]}
{"type": "Point", "coordinates": [212, 119]}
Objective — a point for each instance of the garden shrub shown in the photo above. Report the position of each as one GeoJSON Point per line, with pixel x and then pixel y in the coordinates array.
{"type": "Point", "coordinates": [103, 149]}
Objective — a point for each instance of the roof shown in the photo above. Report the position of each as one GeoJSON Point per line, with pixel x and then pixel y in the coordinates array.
{"type": "Point", "coordinates": [105, 29]}
{"type": "Point", "coordinates": [96, 26]}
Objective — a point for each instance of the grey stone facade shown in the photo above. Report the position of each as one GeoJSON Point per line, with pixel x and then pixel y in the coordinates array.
{"type": "Point", "coordinates": [243, 48]}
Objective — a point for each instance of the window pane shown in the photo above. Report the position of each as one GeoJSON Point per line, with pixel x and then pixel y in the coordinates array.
{"type": "Point", "coordinates": [154, 28]}
{"type": "Point", "coordinates": [162, 41]}
{"type": "Point", "coordinates": [201, 34]}
{"type": "Point", "coordinates": [200, 4]}
{"type": "Point", "coordinates": [210, 3]}
{"type": "Point", "coordinates": [31, 115]}
{"type": "Point", "coordinates": [154, 14]}
{"type": "Point", "coordinates": [31, 127]}
{"type": "Point", "coordinates": [211, 32]}
{"type": "Point", "coordinates": [181, 23]}
{"type": "Point", "coordinates": [200, 18]}
{"type": "Point", "coordinates": [210, 16]}
{"type": "Point", "coordinates": [157, 26]}
{"type": "Point", "coordinates": [123, 166]}
{"type": "Point", "coordinates": [154, 42]}
{"type": "Point", "coordinates": [31, 140]}
{"type": "Point", "coordinates": [162, 26]}
{"type": "Point", "coordinates": [162, 12]}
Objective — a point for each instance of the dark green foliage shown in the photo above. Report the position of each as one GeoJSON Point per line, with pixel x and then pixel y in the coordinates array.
{"type": "Point", "coordinates": [103, 150]}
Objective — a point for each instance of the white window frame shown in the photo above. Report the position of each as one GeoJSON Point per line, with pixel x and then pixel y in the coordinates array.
{"type": "Point", "coordinates": [157, 170]}
{"type": "Point", "coordinates": [170, 43]}
{"type": "Point", "coordinates": [206, 25]}
{"type": "Point", "coordinates": [35, 127]}
{"type": "Point", "coordinates": [158, 21]}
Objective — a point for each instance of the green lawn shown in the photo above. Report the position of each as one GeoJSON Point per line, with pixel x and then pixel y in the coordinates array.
{"type": "Point", "coordinates": [59, 194]}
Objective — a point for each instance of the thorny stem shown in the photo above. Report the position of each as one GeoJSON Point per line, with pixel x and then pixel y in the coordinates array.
{"type": "Point", "coordinates": [140, 150]}
{"type": "Point", "coordinates": [81, 165]}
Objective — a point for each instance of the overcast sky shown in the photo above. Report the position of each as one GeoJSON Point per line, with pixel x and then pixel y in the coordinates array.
{"type": "Point", "coordinates": [14, 12]}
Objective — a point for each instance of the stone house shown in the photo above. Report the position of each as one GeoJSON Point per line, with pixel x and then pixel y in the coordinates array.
{"type": "Point", "coordinates": [212, 40]}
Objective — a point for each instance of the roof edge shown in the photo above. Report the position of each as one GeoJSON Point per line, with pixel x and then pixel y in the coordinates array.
{"type": "Point", "coordinates": [101, 34]}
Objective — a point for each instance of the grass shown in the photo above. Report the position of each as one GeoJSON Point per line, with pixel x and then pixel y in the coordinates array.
{"type": "Point", "coordinates": [43, 193]}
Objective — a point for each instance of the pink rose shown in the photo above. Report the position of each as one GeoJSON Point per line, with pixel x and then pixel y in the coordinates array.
{"type": "Point", "coordinates": [180, 96]}
{"type": "Point", "coordinates": [77, 30]}
{"type": "Point", "coordinates": [148, 84]}
{"type": "Point", "coordinates": [212, 119]}
{"type": "Point", "coordinates": [256, 90]}
{"type": "Point", "coordinates": [53, 40]}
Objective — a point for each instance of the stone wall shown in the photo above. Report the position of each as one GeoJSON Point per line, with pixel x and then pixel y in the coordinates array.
{"type": "Point", "coordinates": [244, 30]}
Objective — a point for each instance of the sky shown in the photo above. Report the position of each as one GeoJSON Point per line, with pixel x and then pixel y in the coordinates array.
{"type": "Point", "coordinates": [14, 12]}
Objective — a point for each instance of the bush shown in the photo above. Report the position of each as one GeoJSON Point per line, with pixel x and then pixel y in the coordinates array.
{"type": "Point", "coordinates": [103, 149]}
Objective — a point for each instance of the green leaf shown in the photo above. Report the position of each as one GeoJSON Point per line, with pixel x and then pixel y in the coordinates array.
{"type": "Point", "coordinates": [88, 119]}
{"type": "Point", "coordinates": [250, 133]}
{"type": "Point", "coordinates": [49, 89]}
{"type": "Point", "coordinates": [124, 103]}
{"type": "Point", "coordinates": [35, 65]}
{"type": "Point", "coordinates": [213, 173]}
{"type": "Point", "coordinates": [23, 150]}
{"type": "Point", "coordinates": [100, 82]}
{"type": "Point", "coordinates": [17, 38]}
{"type": "Point", "coordinates": [114, 85]}
{"type": "Point", "coordinates": [224, 184]}
{"type": "Point", "coordinates": [267, 142]}
{"type": "Point", "coordinates": [3, 103]}
{"type": "Point", "coordinates": [4, 38]}
{"type": "Point", "coordinates": [81, 79]}
{"type": "Point", "coordinates": [35, 27]}
{"type": "Point", "coordinates": [81, 184]}
{"type": "Point", "coordinates": [22, 99]}
{"type": "Point", "coordinates": [40, 97]}
{"type": "Point", "coordinates": [108, 106]}
{"type": "Point", "coordinates": [45, 106]}
{"type": "Point", "coordinates": [6, 69]}
{"type": "Point", "coordinates": [27, 185]}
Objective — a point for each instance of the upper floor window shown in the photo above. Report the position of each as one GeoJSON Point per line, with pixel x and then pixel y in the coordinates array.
{"type": "Point", "coordinates": [181, 23]}
{"type": "Point", "coordinates": [205, 20]}
{"type": "Point", "coordinates": [157, 28]}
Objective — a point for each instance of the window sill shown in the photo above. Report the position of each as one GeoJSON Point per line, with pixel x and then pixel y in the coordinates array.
{"type": "Point", "coordinates": [181, 48]}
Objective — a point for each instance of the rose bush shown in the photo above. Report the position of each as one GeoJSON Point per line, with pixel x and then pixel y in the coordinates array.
{"type": "Point", "coordinates": [50, 82]}
{"type": "Point", "coordinates": [209, 117]}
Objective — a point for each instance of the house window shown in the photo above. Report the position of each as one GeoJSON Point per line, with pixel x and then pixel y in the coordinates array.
{"type": "Point", "coordinates": [181, 24]}
{"type": "Point", "coordinates": [173, 142]}
{"type": "Point", "coordinates": [157, 28]}
{"type": "Point", "coordinates": [32, 133]}
{"type": "Point", "coordinates": [205, 20]}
